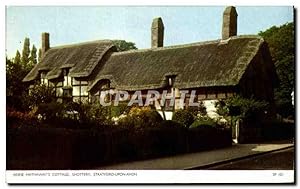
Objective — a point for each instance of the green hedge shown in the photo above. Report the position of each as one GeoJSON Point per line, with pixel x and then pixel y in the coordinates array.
{"type": "Point", "coordinates": [204, 122]}
{"type": "Point", "coordinates": [57, 148]}
{"type": "Point", "coordinates": [278, 130]}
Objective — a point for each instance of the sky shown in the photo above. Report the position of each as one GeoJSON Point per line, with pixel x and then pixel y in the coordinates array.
{"type": "Point", "coordinates": [183, 24]}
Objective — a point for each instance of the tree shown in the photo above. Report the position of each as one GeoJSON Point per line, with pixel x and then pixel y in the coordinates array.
{"type": "Point", "coordinates": [40, 94]}
{"type": "Point", "coordinates": [282, 48]}
{"type": "Point", "coordinates": [40, 55]}
{"type": "Point", "coordinates": [26, 52]}
{"type": "Point", "coordinates": [33, 60]}
{"type": "Point", "coordinates": [16, 70]}
{"type": "Point", "coordinates": [237, 107]}
{"type": "Point", "coordinates": [17, 59]}
{"type": "Point", "coordinates": [16, 90]}
{"type": "Point", "coordinates": [123, 45]}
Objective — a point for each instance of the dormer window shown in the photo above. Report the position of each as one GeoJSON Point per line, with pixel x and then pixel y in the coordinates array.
{"type": "Point", "coordinates": [171, 80]}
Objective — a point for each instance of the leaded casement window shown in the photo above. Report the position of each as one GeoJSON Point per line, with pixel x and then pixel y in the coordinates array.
{"type": "Point", "coordinates": [67, 92]}
{"type": "Point", "coordinates": [80, 90]}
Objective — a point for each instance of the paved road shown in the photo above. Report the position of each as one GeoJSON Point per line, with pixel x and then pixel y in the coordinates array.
{"type": "Point", "coordinates": [201, 160]}
{"type": "Point", "coordinates": [279, 160]}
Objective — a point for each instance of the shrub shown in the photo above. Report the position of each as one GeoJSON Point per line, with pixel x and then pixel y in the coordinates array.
{"type": "Point", "coordinates": [60, 148]}
{"type": "Point", "coordinates": [221, 107]}
{"type": "Point", "coordinates": [203, 121]}
{"type": "Point", "coordinates": [201, 138]}
{"type": "Point", "coordinates": [275, 129]}
{"type": "Point", "coordinates": [183, 116]}
{"type": "Point", "coordinates": [237, 106]}
{"type": "Point", "coordinates": [198, 110]}
{"type": "Point", "coordinates": [40, 94]}
{"type": "Point", "coordinates": [18, 119]}
{"type": "Point", "coordinates": [80, 115]}
{"type": "Point", "coordinates": [51, 111]}
{"type": "Point", "coordinates": [171, 124]}
{"type": "Point", "coordinates": [94, 114]}
{"type": "Point", "coordinates": [141, 117]}
{"type": "Point", "coordinates": [122, 108]}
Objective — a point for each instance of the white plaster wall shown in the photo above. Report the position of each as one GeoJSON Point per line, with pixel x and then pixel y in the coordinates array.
{"type": "Point", "coordinates": [168, 115]}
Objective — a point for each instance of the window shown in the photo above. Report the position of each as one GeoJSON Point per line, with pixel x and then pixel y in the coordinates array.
{"type": "Point", "coordinates": [76, 90]}
{"type": "Point", "coordinates": [80, 90]}
{"type": "Point", "coordinates": [67, 92]}
{"type": "Point", "coordinates": [171, 80]}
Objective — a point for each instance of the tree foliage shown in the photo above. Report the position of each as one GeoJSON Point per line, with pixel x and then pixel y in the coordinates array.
{"type": "Point", "coordinates": [139, 117]}
{"type": "Point", "coordinates": [15, 89]}
{"type": "Point", "coordinates": [39, 55]}
{"type": "Point", "coordinates": [26, 51]}
{"type": "Point", "coordinates": [41, 94]}
{"type": "Point", "coordinates": [123, 45]}
{"type": "Point", "coordinates": [245, 108]}
{"type": "Point", "coordinates": [282, 48]}
{"type": "Point", "coordinates": [17, 59]}
{"type": "Point", "coordinates": [16, 69]}
{"type": "Point", "coordinates": [33, 60]}
{"type": "Point", "coordinates": [185, 117]}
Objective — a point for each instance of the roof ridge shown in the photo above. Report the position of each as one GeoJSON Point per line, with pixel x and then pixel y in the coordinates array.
{"type": "Point", "coordinates": [188, 44]}
{"type": "Point", "coordinates": [81, 43]}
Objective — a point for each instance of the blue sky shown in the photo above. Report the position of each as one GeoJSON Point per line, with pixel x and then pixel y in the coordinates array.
{"type": "Point", "coordinates": [182, 24]}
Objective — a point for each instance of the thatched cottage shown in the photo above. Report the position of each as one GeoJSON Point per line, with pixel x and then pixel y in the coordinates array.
{"type": "Point", "coordinates": [215, 69]}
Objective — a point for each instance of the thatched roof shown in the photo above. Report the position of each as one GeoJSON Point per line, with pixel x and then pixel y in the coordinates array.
{"type": "Point", "coordinates": [212, 63]}
{"type": "Point", "coordinates": [81, 58]}
{"type": "Point", "coordinates": [204, 64]}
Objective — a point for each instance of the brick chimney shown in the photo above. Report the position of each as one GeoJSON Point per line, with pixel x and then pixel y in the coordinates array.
{"type": "Point", "coordinates": [157, 33]}
{"type": "Point", "coordinates": [229, 27]}
{"type": "Point", "coordinates": [45, 43]}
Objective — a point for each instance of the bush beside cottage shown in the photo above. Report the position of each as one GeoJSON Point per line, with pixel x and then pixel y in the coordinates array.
{"type": "Point", "coordinates": [56, 135]}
